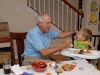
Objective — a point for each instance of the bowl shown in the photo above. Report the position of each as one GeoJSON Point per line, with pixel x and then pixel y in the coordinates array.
{"type": "Point", "coordinates": [39, 66]}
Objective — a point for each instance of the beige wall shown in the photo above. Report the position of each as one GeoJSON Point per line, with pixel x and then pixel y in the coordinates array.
{"type": "Point", "coordinates": [74, 3]}
{"type": "Point", "coordinates": [87, 14]}
{"type": "Point", "coordinates": [24, 20]}
{"type": "Point", "coordinates": [18, 21]}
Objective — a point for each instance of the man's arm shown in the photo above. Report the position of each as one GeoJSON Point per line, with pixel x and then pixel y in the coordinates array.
{"type": "Point", "coordinates": [47, 52]}
{"type": "Point", "coordinates": [65, 34]}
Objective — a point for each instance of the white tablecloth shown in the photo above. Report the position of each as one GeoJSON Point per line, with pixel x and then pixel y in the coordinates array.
{"type": "Point", "coordinates": [87, 69]}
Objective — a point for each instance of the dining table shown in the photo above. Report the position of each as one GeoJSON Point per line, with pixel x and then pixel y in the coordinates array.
{"type": "Point", "coordinates": [82, 67]}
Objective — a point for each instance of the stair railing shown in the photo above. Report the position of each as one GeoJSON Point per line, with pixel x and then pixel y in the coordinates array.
{"type": "Point", "coordinates": [63, 14]}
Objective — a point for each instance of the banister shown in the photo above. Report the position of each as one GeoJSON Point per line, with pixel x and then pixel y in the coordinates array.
{"type": "Point", "coordinates": [52, 22]}
{"type": "Point", "coordinates": [33, 9]}
{"type": "Point", "coordinates": [67, 3]}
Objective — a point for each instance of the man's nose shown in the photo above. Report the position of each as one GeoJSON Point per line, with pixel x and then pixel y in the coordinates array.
{"type": "Point", "coordinates": [50, 24]}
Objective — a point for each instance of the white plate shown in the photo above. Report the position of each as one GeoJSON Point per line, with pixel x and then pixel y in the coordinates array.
{"type": "Point", "coordinates": [71, 52]}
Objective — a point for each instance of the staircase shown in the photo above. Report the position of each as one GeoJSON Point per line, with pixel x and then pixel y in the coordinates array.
{"type": "Point", "coordinates": [64, 15]}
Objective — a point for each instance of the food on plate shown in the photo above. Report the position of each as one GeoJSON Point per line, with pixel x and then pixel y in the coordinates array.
{"type": "Point", "coordinates": [68, 67]}
{"type": "Point", "coordinates": [48, 74]}
{"type": "Point", "coordinates": [88, 51]}
{"type": "Point", "coordinates": [52, 65]}
{"type": "Point", "coordinates": [82, 51]}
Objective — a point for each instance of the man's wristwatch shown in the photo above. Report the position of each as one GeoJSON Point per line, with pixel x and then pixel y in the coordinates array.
{"type": "Point", "coordinates": [74, 32]}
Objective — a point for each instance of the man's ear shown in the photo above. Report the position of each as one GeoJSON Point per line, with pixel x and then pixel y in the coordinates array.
{"type": "Point", "coordinates": [39, 23]}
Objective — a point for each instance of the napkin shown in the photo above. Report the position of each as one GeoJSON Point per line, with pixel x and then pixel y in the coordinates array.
{"type": "Point", "coordinates": [71, 45]}
{"type": "Point", "coordinates": [16, 70]}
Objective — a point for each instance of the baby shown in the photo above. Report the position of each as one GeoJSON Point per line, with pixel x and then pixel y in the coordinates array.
{"type": "Point", "coordinates": [82, 42]}
{"type": "Point", "coordinates": [82, 39]}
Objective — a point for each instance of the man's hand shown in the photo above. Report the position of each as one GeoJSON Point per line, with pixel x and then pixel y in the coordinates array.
{"type": "Point", "coordinates": [49, 51]}
{"type": "Point", "coordinates": [67, 43]}
{"type": "Point", "coordinates": [76, 31]}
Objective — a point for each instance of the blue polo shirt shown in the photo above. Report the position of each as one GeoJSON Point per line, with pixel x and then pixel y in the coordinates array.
{"type": "Point", "coordinates": [36, 40]}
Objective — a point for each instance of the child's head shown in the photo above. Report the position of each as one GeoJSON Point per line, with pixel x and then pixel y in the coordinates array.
{"type": "Point", "coordinates": [84, 34]}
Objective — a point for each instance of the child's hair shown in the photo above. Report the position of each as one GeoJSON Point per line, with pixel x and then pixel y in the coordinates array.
{"type": "Point", "coordinates": [86, 33]}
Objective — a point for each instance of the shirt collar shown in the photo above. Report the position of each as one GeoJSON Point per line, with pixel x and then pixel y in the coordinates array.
{"type": "Point", "coordinates": [40, 31]}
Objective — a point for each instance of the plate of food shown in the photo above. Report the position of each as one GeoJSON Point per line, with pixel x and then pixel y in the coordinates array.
{"type": "Point", "coordinates": [60, 67]}
{"type": "Point", "coordinates": [86, 54]}
{"type": "Point", "coordinates": [68, 67]}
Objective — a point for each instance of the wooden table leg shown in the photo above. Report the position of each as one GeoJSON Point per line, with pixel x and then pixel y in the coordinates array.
{"type": "Point", "coordinates": [99, 64]}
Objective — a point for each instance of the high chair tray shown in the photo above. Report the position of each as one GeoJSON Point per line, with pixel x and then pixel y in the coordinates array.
{"type": "Point", "coordinates": [71, 52]}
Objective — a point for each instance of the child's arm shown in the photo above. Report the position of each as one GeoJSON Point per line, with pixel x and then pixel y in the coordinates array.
{"type": "Point", "coordinates": [91, 45]}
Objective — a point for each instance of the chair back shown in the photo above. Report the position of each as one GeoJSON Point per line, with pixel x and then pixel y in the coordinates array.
{"type": "Point", "coordinates": [19, 39]}
{"type": "Point", "coordinates": [96, 41]}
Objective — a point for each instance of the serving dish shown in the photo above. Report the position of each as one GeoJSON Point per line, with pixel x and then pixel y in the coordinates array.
{"type": "Point", "coordinates": [39, 66]}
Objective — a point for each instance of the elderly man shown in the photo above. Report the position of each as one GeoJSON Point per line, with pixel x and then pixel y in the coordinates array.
{"type": "Point", "coordinates": [38, 41]}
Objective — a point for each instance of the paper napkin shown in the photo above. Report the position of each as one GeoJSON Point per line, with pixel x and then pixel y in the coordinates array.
{"type": "Point", "coordinates": [16, 70]}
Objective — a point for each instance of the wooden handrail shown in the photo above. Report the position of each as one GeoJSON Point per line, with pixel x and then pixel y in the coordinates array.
{"type": "Point", "coordinates": [38, 13]}
{"type": "Point", "coordinates": [67, 3]}
{"type": "Point", "coordinates": [33, 9]}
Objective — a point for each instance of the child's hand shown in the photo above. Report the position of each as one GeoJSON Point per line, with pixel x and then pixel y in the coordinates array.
{"type": "Point", "coordinates": [91, 45]}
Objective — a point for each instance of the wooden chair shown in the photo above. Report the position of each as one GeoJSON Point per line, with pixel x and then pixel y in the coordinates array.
{"type": "Point", "coordinates": [96, 42]}
{"type": "Point", "coordinates": [19, 38]}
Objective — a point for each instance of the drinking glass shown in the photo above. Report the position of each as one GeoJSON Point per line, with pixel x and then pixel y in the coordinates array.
{"type": "Point", "coordinates": [58, 67]}
{"type": "Point", "coordinates": [6, 66]}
